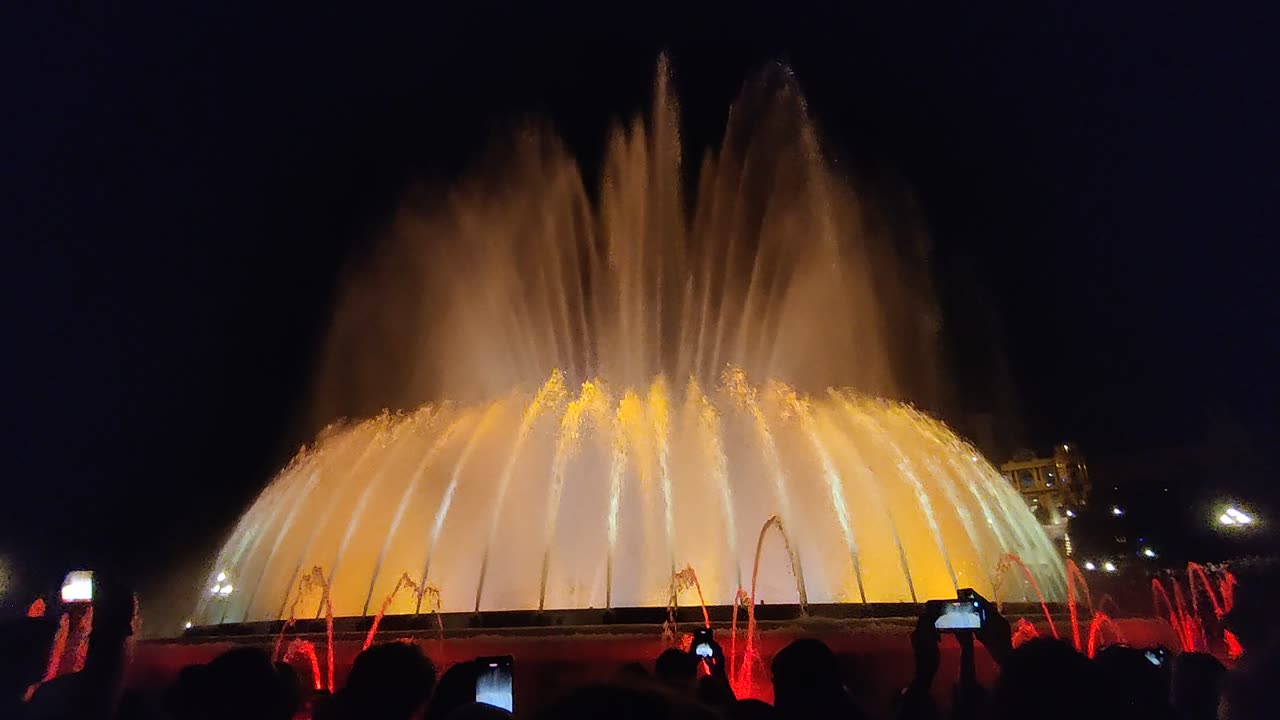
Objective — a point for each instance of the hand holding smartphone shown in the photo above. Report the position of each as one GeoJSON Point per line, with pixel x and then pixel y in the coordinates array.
{"type": "Point", "coordinates": [965, 614]}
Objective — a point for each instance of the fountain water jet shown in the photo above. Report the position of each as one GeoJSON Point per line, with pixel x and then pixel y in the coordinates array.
{"type": "Point", "coordinates": [642, 312]}
{"type": "Point", "coordinates": [1013, 560]}
{"type": "Point", "coordinates": [312, 579]}
{"type": "Point", "coordinates": [1074, 576]}
{"type": "Point", "coordinates": [407, 583]}
{"type": "Point", "coordinates": [1095, 632]}
{"type": "Point", "coordinates": [683, 580]}
{"type": "Point", "coordinates": [306, 649]}
{"type": "Point", "coordinates": [59, 647]}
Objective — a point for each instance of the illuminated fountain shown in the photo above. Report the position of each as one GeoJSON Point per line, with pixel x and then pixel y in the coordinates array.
{"type": "Point", "coordinates": [593, 499]}
{"type": "Point", "coordinates": [634, 383]}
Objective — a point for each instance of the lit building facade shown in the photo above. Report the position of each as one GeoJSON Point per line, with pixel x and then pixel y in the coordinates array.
{"type": "Point", "coordinates": [1054, 487]}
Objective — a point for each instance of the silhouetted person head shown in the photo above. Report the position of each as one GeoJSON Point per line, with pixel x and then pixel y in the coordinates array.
{"type": "Point", "coordinates": [457, 687]}
{"type": "Point", "coordinates": [676, 669]}
{"type": "Point", "coordinates": [390, 681]}
{"type": "Point", "coordinates": [806, 682]}
{"type": "Point", "coordinates": [1048, 679]}
{"type": "Point", "coordinates": [290, 687]}
{"type": "Point", "coordinates": [184, 699]}
{"type": "Point", "coordinates": [1135, 685]}
{"type": "Point", "coordinates": [625, 702]}
{"type": "Point", "coordinates": [241, 683]}
{"type": "Point", "coordinates": [1195, 685]}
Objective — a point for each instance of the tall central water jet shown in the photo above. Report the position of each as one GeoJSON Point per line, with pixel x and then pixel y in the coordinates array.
{"type": "Point", "coordinates": [706, 362]}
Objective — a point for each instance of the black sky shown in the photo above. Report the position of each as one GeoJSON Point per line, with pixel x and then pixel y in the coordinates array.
{"type": "Point", "coordinates": [182, 189]}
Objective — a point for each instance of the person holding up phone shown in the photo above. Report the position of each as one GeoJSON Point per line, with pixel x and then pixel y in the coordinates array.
{"type": "Point", "coordinates": [968, 616]}
{"type": "Point", "coordinates": [94, 691]}
{"type": "Point", "coordinates": [713, 689]}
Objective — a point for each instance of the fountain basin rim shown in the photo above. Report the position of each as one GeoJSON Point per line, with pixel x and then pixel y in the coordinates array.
{"type": "Point", "coordinates": [640, 620]}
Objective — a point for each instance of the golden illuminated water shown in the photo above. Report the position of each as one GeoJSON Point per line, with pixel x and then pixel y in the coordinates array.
{"type": "Point", "coordinates": [634, 381]}
{"type": "Point", "coordinates": [588, 497]}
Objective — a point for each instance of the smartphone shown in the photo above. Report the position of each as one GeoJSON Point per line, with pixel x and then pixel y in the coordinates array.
{"type": "Point", "coordinates": [702, 638]}
{"type": "Point", "coordinates": [77, 586]}
{"type": "Point", "coordinates": [960, 616]}
{"type": "Point", "coordinates": [494, 680]}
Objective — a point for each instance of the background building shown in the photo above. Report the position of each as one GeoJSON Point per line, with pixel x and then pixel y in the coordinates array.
{"type": "Point", "coordinates": [1055, 487]}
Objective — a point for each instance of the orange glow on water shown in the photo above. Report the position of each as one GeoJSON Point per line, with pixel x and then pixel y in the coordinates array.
{"type": "Point", "coordinates": [608, 494]}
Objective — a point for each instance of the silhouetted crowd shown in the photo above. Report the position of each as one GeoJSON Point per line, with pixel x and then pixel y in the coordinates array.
{"type": "Point", "coordinates": [1042, 678]}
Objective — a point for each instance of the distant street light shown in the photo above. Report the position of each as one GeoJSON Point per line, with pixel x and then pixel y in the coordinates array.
{"type": "Point", "coordinates": [1234, 517]}
{"type": "Point", "coordinates": [1116, 510]}
{"type": "Point", "coordinates": [1090, 566]}
{"type": "Point", "coordinates": [1109, 566]}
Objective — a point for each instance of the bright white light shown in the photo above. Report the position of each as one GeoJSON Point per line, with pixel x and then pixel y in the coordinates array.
{"type": "Point", "coordinates": [1148, 552]}
{"type": "Point", "coordinates": [1070, 514]}
{"type": "Point", "coordinates": [215, 589]}
{"type": "Point", "coordinates": [78, 586]}
{"type": "Point", "coordinates": [226, 590]}
{"type": "Point", "coordinates": [1064, 447]}
{"type": "Point", "coordinates": [1239, 517]}
{"type": "Point", "coordinates": [974, 458]}
{"type": "Point", "coordinates": [186, 625]}
{"type": "Point", "coordinates": [222, 577]}
{"type": "Point", "coordinates": [1090, 566]}
{"type": "Point", "coordinates": [1225, 519]}
{"type": "Point", "coordinates": [1109, 566]}
{"type": "Point", "coordinates": [1116, 510]}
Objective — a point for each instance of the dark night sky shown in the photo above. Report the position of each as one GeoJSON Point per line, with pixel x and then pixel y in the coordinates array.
{"type": "Point", "coordinates": [181, 191]}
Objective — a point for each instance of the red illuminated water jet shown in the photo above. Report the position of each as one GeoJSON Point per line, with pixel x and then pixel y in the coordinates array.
{"type": "Point", "coordinates": [1095, 632]}
{"type": "Point", "coordinates": [750, 653]}
{"type": "Point", "coordinates": [59, 647]}
{"type": "Point", "coordinates": [1023, 630]}
{"type": "Point", "coordinates": [314, 578]}
{"type": "Point", "coordinates": [307, 650]}
{"type": "Point", "coordinates": [1011, 559]}
{"type": "Point", "coordinates": [683, 580]}
{"type": "Point", "coordinates": [1196, 571]}
{"type": "Point", "coordinates": [1073, 576]}
{"type": "Point", "coordinates": [431, 592]}
{"type": "Point", "coordinates": [83, 629]}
